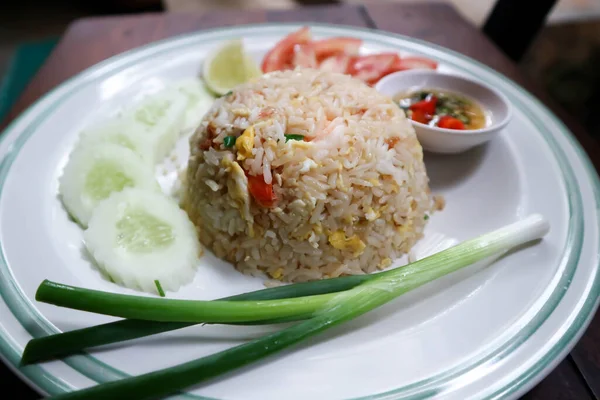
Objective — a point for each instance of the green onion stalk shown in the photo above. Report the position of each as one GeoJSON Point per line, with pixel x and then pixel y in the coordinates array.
{"type": "Point", "coordinates": [334, 309]}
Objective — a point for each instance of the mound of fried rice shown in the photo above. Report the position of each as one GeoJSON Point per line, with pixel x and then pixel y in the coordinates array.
{"type": "Point", "coordinates": [349, 188]}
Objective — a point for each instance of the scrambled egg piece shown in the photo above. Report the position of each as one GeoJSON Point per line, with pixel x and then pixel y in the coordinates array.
{"type": "Point", "coordinates": [241, 112]}
{"type": "Point", "coordinates": [244, 144]}
{"type": "Point", "coordinates": [402, 229]}
{"type": "Point", "coordinates": [307, 165]}
{"type": "Point", "coordinates": [305, 236]}
{"type": "Point", "coordinates": [237, 187]}
{"type": "Point", "coordinates": [270, 143]}
{"type": "Point", "coordinates": [300, 144]}
{"type": "Point", "coordinates": [371, 214]}
{"type": "Point", "coordinates": [386, 262]}
{"type": "Point", "coordinates": [350, 219]}
{"type": "Point", "coordinates": [318, 228]}
{"type": "Point", "coordinates": [309, 234]}
{"type": "Point", "coordinates": [277, 274]}
{"type": "Point", "coordinates": [353, 243]}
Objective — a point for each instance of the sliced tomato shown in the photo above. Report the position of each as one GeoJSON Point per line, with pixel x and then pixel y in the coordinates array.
{"type": "Point", "coordinates": [380, 61]}
{"type": "Point", "coordinates": [280, 56]}
{"type": "Point", "coordinates": [338, 45]}
{"type": "Point", "coordinates": [420, 116]}
{"type": "Point", "coordinates": [371, 68]}
{"type": "Point", "coordinates": [427, 106]}
{"type": "Point", "coordinates": [336, 63]}
{"type": "Point", "coordinates": [261, 191]}
{"type": "Point", "coordinates": [304, 56]}
{"type": "Point", "coordinates": [403, 64]}
{"type": "Point", "coordinates": [449, 122]}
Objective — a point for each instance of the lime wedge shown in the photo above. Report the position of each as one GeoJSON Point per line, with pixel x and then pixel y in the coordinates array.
{"type": "Point", "coordinates": [228, 66]}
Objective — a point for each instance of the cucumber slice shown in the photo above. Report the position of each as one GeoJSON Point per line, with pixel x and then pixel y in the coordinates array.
{"type": "Point", "coordinates": [94, 172]}
{"type": "Point", "coordinates": [138, 236]}
{"type": "Point", "coordinates": [118, 131]}
{"type": "Point", "coordinates": [160, 118]}
{"type": "Point", "coordinates": [200, 99]}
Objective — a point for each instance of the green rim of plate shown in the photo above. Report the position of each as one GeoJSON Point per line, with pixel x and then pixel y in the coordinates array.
{"type": "Point", "coordinates": [100, 372]}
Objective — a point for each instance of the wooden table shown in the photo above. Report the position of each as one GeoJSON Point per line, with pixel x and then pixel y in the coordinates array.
{"type": "Point", "coordinates": [91, 40]}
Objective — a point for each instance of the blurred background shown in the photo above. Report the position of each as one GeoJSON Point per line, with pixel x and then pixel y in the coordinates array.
{"type": "Point", "coordinates": [563, 56]}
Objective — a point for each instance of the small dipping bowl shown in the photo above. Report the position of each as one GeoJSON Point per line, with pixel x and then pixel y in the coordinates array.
{"type": "Point", "coordinates": [442, 140]}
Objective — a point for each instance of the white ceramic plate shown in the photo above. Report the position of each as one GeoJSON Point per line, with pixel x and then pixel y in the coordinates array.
{"type": "Point", "coordinates": [492, 334]}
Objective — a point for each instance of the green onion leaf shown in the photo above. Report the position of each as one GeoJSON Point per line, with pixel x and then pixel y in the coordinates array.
{"type": "Point", "coordinates": [426, 217]}
{"type": "Point", "coordinates": [159, 288]}
{"type": "Point", "coordinates": [174, 310]}
{"type": "Point", "coordinates": [229, 141]}
{"type": "Point", "coordinates": [66, 343]}
{"type": "Point", "coordinates": [293, 137]}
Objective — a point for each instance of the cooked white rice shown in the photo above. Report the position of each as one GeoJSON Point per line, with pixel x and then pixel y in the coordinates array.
{"type": "Point", "coordinates": [348, 201]}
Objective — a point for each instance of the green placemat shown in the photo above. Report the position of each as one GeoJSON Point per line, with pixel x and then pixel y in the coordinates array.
{"type": "Point", "coordinates": [26, 61]}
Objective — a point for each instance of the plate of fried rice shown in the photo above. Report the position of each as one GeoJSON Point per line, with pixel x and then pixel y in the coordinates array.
{"type": "Point", "coordinates": [298, 175]}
